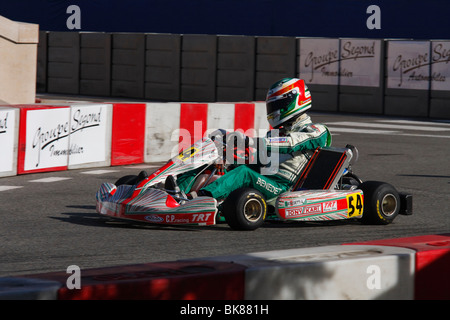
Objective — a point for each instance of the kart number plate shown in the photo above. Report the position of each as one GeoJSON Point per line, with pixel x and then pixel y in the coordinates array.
{"type": "Point", "coordinates": [188, 153]}
{"type": "Point", "coordinates": [355, 205]}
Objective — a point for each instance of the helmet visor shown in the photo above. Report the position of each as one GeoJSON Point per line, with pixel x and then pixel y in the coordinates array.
{"type": "Point", "coordinates": [281, 104]}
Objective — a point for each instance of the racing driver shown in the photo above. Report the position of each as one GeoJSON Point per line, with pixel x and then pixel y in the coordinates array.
{"type": "Point", "coordinates": [294, 137]}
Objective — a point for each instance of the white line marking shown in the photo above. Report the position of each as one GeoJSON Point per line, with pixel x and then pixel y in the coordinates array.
{"type": "Point", "coordinates": [353, 130]}
{"type": "Point", "coordinates": [424, 135]}
{"type": "Point", "coordinates": [368, 131]}
{"type": "Point", "coordinates": [99, 171]}
{"type": "Point", "coordinates": [51, 179]}
{"type": "Point", "coordinates": [387, 126]}
{"type": "Point", "coordinates": [142, 166]}
{"type": "Point", "coordinates": [5, 188]}
{"type": "Point", "coordinates": [414, 122]}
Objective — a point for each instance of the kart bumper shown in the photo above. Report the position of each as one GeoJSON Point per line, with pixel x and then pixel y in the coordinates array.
{"type": "Point", "coordinates": [154, 206]}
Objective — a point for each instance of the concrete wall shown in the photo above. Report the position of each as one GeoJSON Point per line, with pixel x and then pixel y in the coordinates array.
{"type": "Point", "coordinates": [18, 52]}
{"type": "Point", "coordinates": [373, 76]}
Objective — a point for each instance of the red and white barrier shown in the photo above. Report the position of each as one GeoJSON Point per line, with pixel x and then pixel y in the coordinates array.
{"type": "Point", "coordinates": [128, 133]}
{"type": "Point", "coordinates": [176, 280]}
{"type": "Point", "coordinates": [40, 138]}
{"type": "Point", "coordinates": [399, 269]}
{"type": "Point", "coordinates": [432, 263]}
{"type": "Point", "coordinates": [171, 127]}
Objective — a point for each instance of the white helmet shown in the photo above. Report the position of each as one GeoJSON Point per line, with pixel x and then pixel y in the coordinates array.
{"type": "Point", "coordinates": [287, 99]}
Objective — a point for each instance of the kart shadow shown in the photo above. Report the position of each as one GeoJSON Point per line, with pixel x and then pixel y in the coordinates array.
{"type": "Point", "coordinates": [309, 224]}
{"type": "Point", "coordinates": [91, 218]}
{"type": "Point", "coordinates": [88, 217]}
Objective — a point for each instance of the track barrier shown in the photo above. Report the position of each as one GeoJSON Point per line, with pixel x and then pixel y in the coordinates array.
{"type": "Point", "coordinates": [41, 137]}
{"type": "Point", "coordinates": [388, 269]}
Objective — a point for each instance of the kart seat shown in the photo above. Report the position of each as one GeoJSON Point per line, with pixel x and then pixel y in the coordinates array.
{"type": "Point", "coordinates": [324, 169]}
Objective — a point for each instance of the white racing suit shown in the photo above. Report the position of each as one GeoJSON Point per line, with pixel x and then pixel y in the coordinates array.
{"type": "Point", "coordinates": [293, 146]}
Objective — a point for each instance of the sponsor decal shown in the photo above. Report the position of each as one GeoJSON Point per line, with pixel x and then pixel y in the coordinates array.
{"type": "Point", "coordinates": [154, 218]}
{"type": "Point", "coordinates": [330, 206]}
{"type": "Point", "coordinates": [313, 209]}
{"type": "Point", "coordinates": [292, 213]}
{"type": "Point", "coordinates": [278, 140]}
{"type": "Point", "coordinates": [293, 203]}
{"type": "Point", "coordinates": [192, 218]}
{"type": "Point", "coordinates": [269, 187]}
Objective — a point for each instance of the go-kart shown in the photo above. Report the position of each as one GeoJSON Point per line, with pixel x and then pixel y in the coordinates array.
{"type": "Point", "coordinates": [326, 189]}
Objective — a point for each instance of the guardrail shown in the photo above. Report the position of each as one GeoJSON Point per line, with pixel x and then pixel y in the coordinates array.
{"type": "Point", "coordinates": [377, 76]}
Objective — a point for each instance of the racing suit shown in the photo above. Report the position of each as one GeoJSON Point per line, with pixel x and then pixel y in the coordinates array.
{"type": "Point", "coordinates": [294, 145]}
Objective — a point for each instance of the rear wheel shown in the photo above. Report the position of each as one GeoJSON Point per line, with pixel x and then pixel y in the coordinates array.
{"type": "Point", "coordinates": [245, 209]}
{"type": "Point", "coordinates": [381, 202]}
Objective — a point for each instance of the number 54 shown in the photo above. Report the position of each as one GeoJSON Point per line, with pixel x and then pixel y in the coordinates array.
{"type": "Point", "coordinates": [355, 205]}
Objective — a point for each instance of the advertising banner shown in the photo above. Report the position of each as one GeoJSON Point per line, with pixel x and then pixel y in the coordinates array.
{"type": "Point", "coordinates": [319, 61]}
{"type": "Point", "coordinates": [90, 135]}
{"type": "Point", "coordinates": [44, 138]}
{"type": "Point", "coordinates": [408, 65]}
{"type": "Point", "coordinates": [360, 62]}
{"type": "Point", "coordinates": [8, 140]}
{"type": "Point", "coordinates": [349, 62]}
{"type": "Point", "coordinates": [440, 66]}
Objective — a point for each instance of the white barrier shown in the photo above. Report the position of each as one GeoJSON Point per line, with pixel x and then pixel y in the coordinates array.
{"type": "Point", "coordinates": [61, 137]}
{"type": "Point", "coordinates": [173, 126]}
{"type": "Point", "coordinates": [9, 134]}
{"type": "Point", "coordinates": [44, 138]}
{"type": "Point", "coordinates": [340, 272]}
{"type": "Point", "coordinates": [353, 272]}
{"type": "Point", "coordinates": [90, 135]}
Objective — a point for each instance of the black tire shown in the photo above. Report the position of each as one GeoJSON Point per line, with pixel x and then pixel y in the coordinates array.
{"type": "Point", "coordinates": [128, 180]}
{"type": "Point", "coordinates": [351, 179]}
{"type": "Point", "coordinates": [245, 209]}
{"type": "Point", "coordinates": [131, 179]}
{"type": "Point", "coordinates": [381, 202]}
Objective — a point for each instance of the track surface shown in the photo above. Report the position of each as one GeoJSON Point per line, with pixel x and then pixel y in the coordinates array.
{"type": "Point", "coordinates": [48, 220]}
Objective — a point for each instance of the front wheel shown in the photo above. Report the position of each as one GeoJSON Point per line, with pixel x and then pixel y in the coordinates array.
{"type": "Point", "coordinates": [127, 180]}
{"type": "Point", "coordinates": [381, 202]}
{"type": "Point", "coordinates": [245, 209]}
{"type": "Point", "coordinates": [132, 179]}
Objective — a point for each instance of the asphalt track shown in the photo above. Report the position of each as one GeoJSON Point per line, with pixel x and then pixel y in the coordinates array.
{"type": "Point", "coordinates": [48, 220]}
